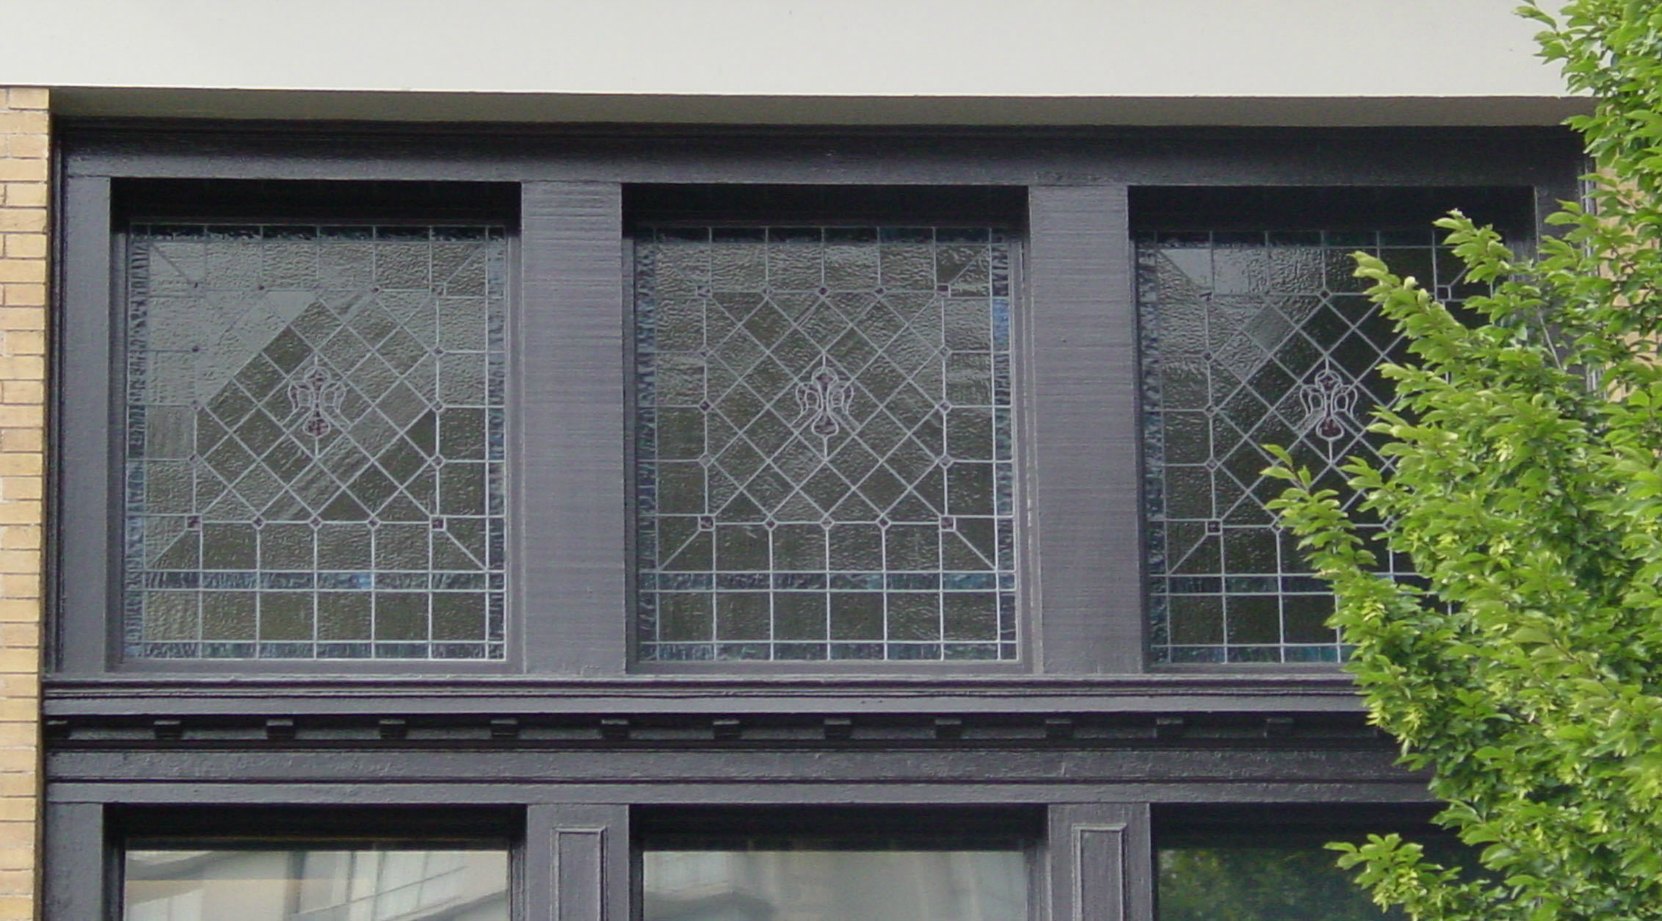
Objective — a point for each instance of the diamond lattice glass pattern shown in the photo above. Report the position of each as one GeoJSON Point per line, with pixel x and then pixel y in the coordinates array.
{"type": "Point", "coordinates": [1251, 339]}
{"type": "Point", "coordinates": [315, 442]}
{"type": "Point", "coordinates": [823, 439]}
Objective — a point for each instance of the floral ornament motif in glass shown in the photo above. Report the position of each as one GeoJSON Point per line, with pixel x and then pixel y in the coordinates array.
{"type": "Point", "coordinates": [316, 398]}
{"type": "Point", "coordinates": [1329, 400]}
{"type": "Point", "coordinates": [825, 400]}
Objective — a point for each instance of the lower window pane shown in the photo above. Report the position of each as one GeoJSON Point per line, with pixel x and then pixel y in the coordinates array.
{"type": "Point", "coordinates": [835, 885]}
{"type": "Point", "coordinates": [1281, 878]}
{"type": "Point", "coordinates": [316, 884]}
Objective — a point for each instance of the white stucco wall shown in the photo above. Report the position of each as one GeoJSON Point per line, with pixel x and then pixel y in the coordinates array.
{"type": "Point", "coordinates": [838, 60]}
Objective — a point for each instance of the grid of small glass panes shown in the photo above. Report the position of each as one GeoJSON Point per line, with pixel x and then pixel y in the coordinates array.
{"type": "Point", "coordinates": [314, 464]}
{"type": "Point", "coordinates": [1251, 339]}
{"type": "Point", "coordinates": [823, 444]}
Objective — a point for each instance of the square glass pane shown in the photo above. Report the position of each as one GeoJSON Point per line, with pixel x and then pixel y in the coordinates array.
{"type": "Point", "coordinates": [315, 884]}
{"type": "Point", "coordinates": [315, 444]}
{"type": "Point", "coordinates": [812, 884]}
{"type": "Point", "coordinates": [823, 435]}
{"type": "Point", "coordinates": [1251, 339]}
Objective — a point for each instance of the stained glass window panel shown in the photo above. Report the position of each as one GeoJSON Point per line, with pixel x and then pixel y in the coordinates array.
{"type": "Point", "coordinates": [1251, 339]}
{"type": "Point", "coordinates": [315, 442]}
{"type": "Point", "coordinates": [824, 444]}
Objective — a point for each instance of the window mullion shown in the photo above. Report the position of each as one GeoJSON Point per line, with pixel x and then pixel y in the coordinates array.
{"type": "Point", "coordinates": [1080, 480]}
{"type": "Point", "coordinates": [1100, 862]}
{"type": "Point", "coordinates": [567, 457]}
{"type": "Point", "coordinates": [77, 868]}
{"type": "Point", "coordinates": [85, 452]}
{"type": "Point", "coordinates": [576, 864]}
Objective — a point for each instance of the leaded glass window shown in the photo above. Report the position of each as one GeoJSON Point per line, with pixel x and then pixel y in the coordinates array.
{"type": "Point", "coordinates": [1251, 339]}
{"type": "Point", "coordinates": [823, 444]}
{"type": "Point", "coordinates": [315, 442]}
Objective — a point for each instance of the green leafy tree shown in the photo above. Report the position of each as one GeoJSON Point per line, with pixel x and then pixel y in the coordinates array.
{"type": "Point", "coordinates": [1525, 484]}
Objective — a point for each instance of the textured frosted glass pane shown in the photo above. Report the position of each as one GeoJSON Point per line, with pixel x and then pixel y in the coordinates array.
{"type": "Point", "coordinates": [1291, 880]}
{"type": "Point", "coordinates": [315, 442]}
{"type": "Point", "coordinates": [315, 885]}
{"type": "Point", "coordinates": [1248, 339]}
{"type": "Point", "coordinates": [823, 444]}
{"type": "Point", "coordinates": [835, 885]}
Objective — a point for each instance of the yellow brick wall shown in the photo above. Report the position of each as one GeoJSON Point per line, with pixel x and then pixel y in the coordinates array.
{"type": "Point", "coordinates": [23, 274]}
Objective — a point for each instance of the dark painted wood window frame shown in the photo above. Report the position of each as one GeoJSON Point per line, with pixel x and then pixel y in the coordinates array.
{"type": "Point", "coordinates": [581, 861]}
{"type": "Point", "coordinates": [569, 750]}
{"type": "Point", "coordinates": [569, 522]}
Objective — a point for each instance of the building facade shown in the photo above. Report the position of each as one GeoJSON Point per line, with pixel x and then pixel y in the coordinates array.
{"type": "Point", "coordinates": [580, 461]}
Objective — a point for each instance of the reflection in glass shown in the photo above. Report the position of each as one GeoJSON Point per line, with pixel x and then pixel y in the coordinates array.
{"type": "Point", "coordinates": [835, 885]}
{"type": "Point", "coordinates": [1295, 880]}
{"type": "Point", "coordinates": [316, 885]}
{"type": "Point", "coordinates": [824, 444]}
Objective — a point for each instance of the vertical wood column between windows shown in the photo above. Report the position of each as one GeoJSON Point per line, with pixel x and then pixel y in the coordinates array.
{"type": "Point", "coordinates": [1100, 867]}
{"type": "Point", "coordinates": [74, 881]}
{"type": "Point", "coordinates": [568, 562]}
{"type": "Point", "coordinates": [83, 466]}
{"type": "Point", "coordinates": [1084, 529]}
{"type": "Point", "coordinates": [576, 864]}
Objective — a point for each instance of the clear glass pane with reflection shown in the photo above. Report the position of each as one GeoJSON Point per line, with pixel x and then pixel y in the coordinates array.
{"type": "Point", "coordinates": [836, 885]}
{"type": "Point", "coordinates": [1284, 878]}
{"type": "Point", "coordinates": [316, 884]}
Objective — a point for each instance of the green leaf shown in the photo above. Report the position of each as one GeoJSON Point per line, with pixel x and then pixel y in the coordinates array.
{"type": "Point", "coordinates": [1524, 486]}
